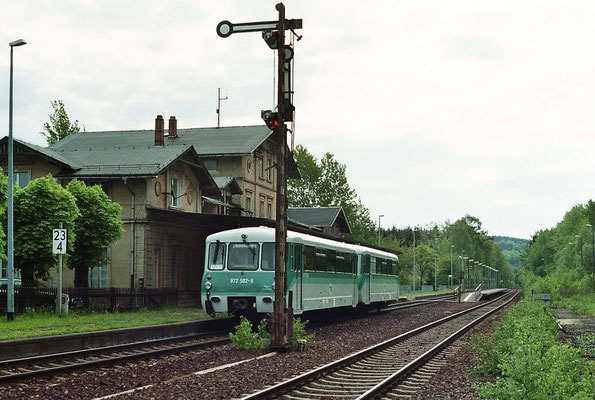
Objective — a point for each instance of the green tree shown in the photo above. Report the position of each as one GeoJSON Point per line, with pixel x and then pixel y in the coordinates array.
{"type": "Point", "coordinates": [324, 184]}
{"type": "Point", "coordinates": [59, 126]}
{"type": "Point", "coordinates": [424, 263]}
{"type": "Point", "coordinates": [39, 208]}
{"type": "Point", "coordinates": [97, 226]}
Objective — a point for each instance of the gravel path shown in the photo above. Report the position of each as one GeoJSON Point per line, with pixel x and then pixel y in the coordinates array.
{"type": "Point", "coordinates": [172, 377]}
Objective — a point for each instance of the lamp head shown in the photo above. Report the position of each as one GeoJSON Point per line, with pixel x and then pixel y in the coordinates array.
{"type": "Point", "coordinates": [16, 43]}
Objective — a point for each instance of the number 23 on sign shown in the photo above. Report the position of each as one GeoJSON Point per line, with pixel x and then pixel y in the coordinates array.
{"type": "Point", "coordinates": [59, 237]}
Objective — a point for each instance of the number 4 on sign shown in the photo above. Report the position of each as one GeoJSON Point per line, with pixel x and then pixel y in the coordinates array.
{"type": "Point", "coordinates": [59, 237]}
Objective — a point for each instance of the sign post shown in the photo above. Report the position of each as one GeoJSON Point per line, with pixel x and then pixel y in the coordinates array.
{"type": "Point", "coordinates": [59, 243]}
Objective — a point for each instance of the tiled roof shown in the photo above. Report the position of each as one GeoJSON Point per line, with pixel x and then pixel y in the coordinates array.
{"type": "Point", "coordinates": [232, 141]}
{"type": "Point", "coordinates": [119, 161]}
{"type": "Point", "coordinates": [321, 217]}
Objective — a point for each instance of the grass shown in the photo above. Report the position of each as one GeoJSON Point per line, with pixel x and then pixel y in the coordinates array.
{"type": "Point", "coordinates": [579, 304]}
{"type": "Point", "coordinates": [35, 324]}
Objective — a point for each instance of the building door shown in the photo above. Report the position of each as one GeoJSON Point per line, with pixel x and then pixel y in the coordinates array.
{"type": "Point", "coordinates": [157, 269]}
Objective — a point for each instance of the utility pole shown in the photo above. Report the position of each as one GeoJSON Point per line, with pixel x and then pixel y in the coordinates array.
{"type": "Point", "coordinates": [273, 33]}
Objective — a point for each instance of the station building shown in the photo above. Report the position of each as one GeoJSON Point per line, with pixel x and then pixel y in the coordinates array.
{"type": "Point", "coordinates": [175, 186]}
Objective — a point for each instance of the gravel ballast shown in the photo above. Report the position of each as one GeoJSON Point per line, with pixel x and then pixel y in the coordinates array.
{"type": "Point", "coordinates": [172, 377]}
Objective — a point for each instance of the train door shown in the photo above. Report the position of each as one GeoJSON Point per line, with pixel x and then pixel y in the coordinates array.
{"type": "Point", "coordinates": [365, 265]}
{"type": "Point", "coordinates": [298, 267]}
{"type": "Point", "coordinates": [354, 266]}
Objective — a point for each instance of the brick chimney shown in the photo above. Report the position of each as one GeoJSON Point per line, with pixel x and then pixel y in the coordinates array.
{"type": "Point", "coordinates": [173, 126]}
{"type": "Point", "coordinates": [159, 131]}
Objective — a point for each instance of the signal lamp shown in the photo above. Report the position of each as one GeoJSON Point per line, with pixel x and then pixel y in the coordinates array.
{"type": "Point", "coordinates": [271, 38]}
{"type": "Point", "coordinates": [270, 119]}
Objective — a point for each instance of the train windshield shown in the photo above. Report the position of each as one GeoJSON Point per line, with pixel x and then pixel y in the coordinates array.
{"type": "Point", "coordinates": [243, 256]}
{"type": "Point", "coordinates": [268, 257]}
{"type": "Point", "coordinates": [216, 256]}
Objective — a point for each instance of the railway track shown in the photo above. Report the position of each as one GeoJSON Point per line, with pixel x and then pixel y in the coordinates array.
{"type": "Point", "coordinates": [51, 364]}
{"type": "Point", "coordinates": [393, 369]}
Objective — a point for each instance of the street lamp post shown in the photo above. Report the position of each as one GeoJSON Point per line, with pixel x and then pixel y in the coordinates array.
{"type": "Point", "coordinates": [380, 216]}
{"type": "Point", "coordinates": [451, 276]}
{"type": "Point", "coordinates": [435, 266]}
{"type": "Point", "coordinates": [592, 247]}
{"type": "Point", "coordinates": [580, 245]}
{"type": "Point", "coordinates": [414, 259]}
{"type": "Point", "coordinates": [469, 261]}
{"type": "Point", "coordinates": [10, 227]}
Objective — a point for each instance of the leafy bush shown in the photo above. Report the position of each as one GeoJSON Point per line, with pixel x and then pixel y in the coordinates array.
{"type": "Point", "coordinates": [525, 354]}
{"type": "Point", "coordinates": [245, 337]}
{"type": "Point", "coordinates": [299, 332]}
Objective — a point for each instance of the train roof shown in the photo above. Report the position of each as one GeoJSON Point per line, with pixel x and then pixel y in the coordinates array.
{"type": "Point", "coordinates": [267, 234]}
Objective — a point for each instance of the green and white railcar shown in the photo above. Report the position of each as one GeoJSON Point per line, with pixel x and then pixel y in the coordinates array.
{"type": "Point", "coordinates": [378, 276]}
{"type": "Point", "coordinates": [321, 273]}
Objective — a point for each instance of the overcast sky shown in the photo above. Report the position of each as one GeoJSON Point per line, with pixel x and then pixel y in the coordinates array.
{"type": "Point", "coordinates": [438, 108]}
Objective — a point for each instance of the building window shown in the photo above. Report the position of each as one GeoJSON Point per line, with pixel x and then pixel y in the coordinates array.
{"type": "Point", "coordinates": [175, 191]}
{"type": "Point", "coordinates": [210, 165]}
{"type": "Point", "coordinates": [21, 178]}
{"type": "Point", "coordinates": [269, 207]}
{"type": "Point", "coordinates": [262, 201]}
{"type": "Point", "coordinates": [248, 201]}
{"type": "Point", "coordinates": [98, 276]}
{"type": "Point", "coordinates": [156, 268]}
{"type": "Point", "coordinates": [269, 168]}
{"type": "Point", "coordinates": [261, 167]}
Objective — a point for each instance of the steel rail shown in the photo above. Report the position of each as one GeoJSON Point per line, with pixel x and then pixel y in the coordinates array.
{"type": "Point", "coordinates": [275, 391]}
{"type": "Point", "coordinates": [110, 359]}
{"type": "Point", "coordinates": [386, 384]}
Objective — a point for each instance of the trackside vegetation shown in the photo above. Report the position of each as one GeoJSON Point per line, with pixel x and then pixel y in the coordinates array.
{"type": "Point", "coordinates": [528, 360]}
{"type": "Point", "coordinates": [245, 338]}
{"type": "Point", "coordinates": [559, 261]}
{"type": "Point", "coordinates": [36, 323]}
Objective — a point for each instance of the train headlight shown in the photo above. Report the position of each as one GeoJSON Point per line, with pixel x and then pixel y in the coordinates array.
{"type": "Point", "coordinates": [273, 286]}
{"type": "Point", "coordinates": [208, 285]}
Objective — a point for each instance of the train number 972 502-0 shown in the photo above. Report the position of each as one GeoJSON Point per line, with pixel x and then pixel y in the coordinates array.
{"type": "Point", "coordinates": [241, 280]}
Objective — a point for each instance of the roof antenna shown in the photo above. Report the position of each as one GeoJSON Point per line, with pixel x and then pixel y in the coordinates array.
{"type": "Point", "coordinates": [219, 98]}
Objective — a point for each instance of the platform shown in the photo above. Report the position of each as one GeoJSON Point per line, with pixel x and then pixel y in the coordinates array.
{"type": "Point", "coordinates": [476, 296]}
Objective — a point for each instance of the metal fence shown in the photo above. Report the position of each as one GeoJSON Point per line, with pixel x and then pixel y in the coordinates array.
{"type": "Point", "coordinates": [89, 299]}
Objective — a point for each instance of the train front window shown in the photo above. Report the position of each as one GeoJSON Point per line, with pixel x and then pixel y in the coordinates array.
{"type": "Point", "coordinates": [268, 257]}
{"type": "Point", "coordinates": [243, 256]}
{"type": "Point", "coordinates": [216, 256]}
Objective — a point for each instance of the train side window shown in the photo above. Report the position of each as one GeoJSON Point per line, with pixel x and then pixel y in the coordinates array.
{"type": "Point", "coordinates": [386, 266]}
{"type": "Point", "coordinates": [331, 261]}
{"type": "Point", "coordinates": [217, 256]}
{"type": "Point", "coordinates": [320, 260]}
{"type": "Point", "coordinates": [309, 258]}
{"type": "Point", "coordinates": [366, 264]}
{"type": "Point", "coordinates": [268, 257]}
{"type": "Point", "coordinates": [373, 265]}
{"type": "Point", "coordinates": [341, 261]}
